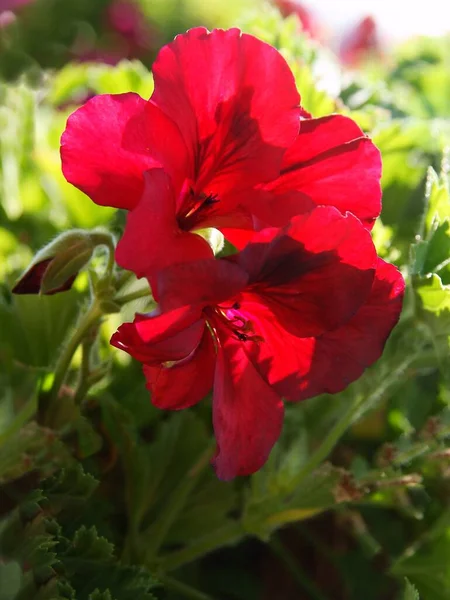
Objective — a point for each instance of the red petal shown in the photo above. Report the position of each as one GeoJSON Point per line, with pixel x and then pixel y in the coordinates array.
{"type": "Point", "coordinates": [186, 382]}
{"type": "Point", "coordinates": [247, 414]}
{"type": "Point", "coordinates": [331, 163]}
{"type": "Point", "coordinates": [31, 280]}
{"type": "Point", "coordinates": [111, 140]}
{"type": "Point", "coordinates": [314, 274]}
{"type": "Point", "coordinates": [152, 239]}
{"type": "Point", "coordinates": [234, 99]}
{"type": "Point", "coordinates": [341, 356]}
{"type": "Point", "coordinates": [200, 283]}
{"type": "Point", "coordinates": [166, 337]}
{"type": "Point", "coordinates": [299, 368]}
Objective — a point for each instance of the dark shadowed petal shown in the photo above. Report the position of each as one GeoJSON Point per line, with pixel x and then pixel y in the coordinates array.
{"type": "Point", "coordinates": [247, 413]}
{"type": "Point", "coordinates": [199, 283]}
{"type": "Point", "coordinates": [341, 356]}
{"type": "Point", "coordinates": [111, 140]}
{"type": "Point", "coordinates": [299, 368]}
{"type": "Point", "coordinates": [234, 99]}
{"type": "Point", "coordinates": [331, 163]}
{"type": "Point", "coordinates": [166, 337]}
{"type": "Point", "coordinates": [314, 274]}
{"type": "Point", "coordinates": [186, 382]}
{"type": "Point", "coordinates": [152, 239]}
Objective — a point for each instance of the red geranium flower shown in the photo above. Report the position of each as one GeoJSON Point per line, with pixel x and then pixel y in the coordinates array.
{"type": "Point", "coordinates": [223, 122]}
{"type": "Point", "coordinates": [224, 110]}
{"type": "Point", "coordinates": [301, 310]}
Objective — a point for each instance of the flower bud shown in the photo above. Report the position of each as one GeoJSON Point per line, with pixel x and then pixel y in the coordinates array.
{"type": "Point", "coordinates": [56, 266]}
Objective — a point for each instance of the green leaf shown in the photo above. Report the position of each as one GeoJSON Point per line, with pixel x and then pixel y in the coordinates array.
{"type": "Point", "coordinates": [438, 200]}
{"type": "Point", "coordinates": [411, 592]}
{"type": "Point", "coordinates": [34, 327]}
{"type": "Point", "coordinates": [75, 80]}
{"type": "Point", "coordinates": [98, 595]}
{"type": "Point", "coordinates": [88, 551]}
{"type": "Point", "coordinates": [435, 296]}
{"type": "Point", "coordinates": [10, 580]}
{"type": "Point", "coordinates": [69, 487]}
{"type": "Point", "coordinates": [278, 503]}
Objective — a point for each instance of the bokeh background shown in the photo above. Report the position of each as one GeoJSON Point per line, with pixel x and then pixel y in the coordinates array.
{"type": "Point", "coordinates": [97, 496]}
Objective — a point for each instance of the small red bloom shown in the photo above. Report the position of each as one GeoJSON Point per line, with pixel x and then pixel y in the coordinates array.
{"type": "Point", "coordinates": [308, 22]}
{"type": "Point", "coordinates": [301, 310]}
{"type": "Point", "coordinates": [360, 43]}
{"type": "Point", "coordinates": [13, 4]}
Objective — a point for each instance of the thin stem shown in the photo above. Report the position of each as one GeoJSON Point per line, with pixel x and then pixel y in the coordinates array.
{"type": "Point", "coordinates": [157, 533]}
{"type": "Point", "coordinates": [145, 293]}
{"type": "Point", "coordinates": [27, 411]}
{"type": "Point", "coordinates": [303, 581]}
{"type": "Point", "coordinates": [355, 411]}
{"type": "Point", "coordinates": [183, 589]}
{"type": "Point", "coordinates": [83, 377]}
{"type": "Point", "coordinates": [62, 366]}
{"type": "Point", "coordinates": [231, 533]}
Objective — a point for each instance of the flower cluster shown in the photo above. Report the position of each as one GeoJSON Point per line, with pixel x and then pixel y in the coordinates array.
{"type": "Point", "coordinates": [305, 304]}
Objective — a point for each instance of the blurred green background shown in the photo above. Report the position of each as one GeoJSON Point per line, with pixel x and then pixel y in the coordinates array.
{"type": "Point", "coordinates": [102, 496]}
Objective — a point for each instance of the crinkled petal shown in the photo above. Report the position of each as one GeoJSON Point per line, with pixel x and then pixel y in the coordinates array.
{"type": "Point", "coordinates": [111, 140]}
{"type": "Point", "coordinates": [340, 357]}
{"type": "Point", "coordinates": [314, 274]}
{"type": "Point", "coordinates": [234, 99]}
{"type": "Point", "coordinates": [247, 413]}
{"type": "Point", "coordinates": [164, 337]}
{"type": "Point", "coordinates": [186, 382]}
{"type": "Point", "coordinates": [152, 239]}
{"type": "Point", "coordinates": [331, 163]}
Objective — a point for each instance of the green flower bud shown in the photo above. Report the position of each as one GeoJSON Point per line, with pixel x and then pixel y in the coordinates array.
{"type": "Point", "coordinates": [56, 266]}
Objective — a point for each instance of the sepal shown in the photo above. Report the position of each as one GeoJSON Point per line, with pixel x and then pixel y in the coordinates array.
{"type": "Point", "coordinates": [56, 266]}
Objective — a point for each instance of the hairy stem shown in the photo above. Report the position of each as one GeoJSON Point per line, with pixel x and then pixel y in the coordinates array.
{"type": "Point", "coordinates": [231, 533]}
{"type": "Point", "coordinates": [184, 590]}
{"type": "Point", "coordinates": [88, 320]}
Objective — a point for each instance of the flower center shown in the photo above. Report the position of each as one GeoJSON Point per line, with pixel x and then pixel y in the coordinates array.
{"type": "Point", "coordinates": [230, 316]}
{"type": "Point", "coordinates": [196, 207]}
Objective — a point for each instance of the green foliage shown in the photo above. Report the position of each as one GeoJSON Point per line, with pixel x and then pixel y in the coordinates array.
{"type": "Point", "coordinates": [101, 494]}
{"type": "Point", "coordinates": [410, 592]}
{"type": "Point", "coordinates": [59, 560]}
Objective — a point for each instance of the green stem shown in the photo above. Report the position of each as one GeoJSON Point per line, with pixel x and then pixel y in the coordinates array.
{"type": "Point", "coordinates": [83, 377]}
{"type": "Point", "coordinates": [355, 411]}
{"type": "Point", "coordinates": [231, 533]}
{"type": "Point", "coordinates": [157, 533]}
{"type": "Point", "coordinates": [28, 410]}
{"type": "Point", "coordinates": [145, 293]}
{"type": "Point", "coordinates": [183, 589]}
{"type": "Point", "coordinates": [303, 581]}
{"type": "Point", "coordinates": [62, 366]}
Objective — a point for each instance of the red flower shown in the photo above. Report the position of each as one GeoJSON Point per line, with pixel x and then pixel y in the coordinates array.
{"type": "Point", "coordinates": [360, 43]}
{"type": "Point", "coordinates": [224, 110]}
{"type": "Point", "coordinates": [291, 7]}
{"type": "Point", "coordinates": [223, 123]}
{"type": "Point", "coordinates": [301, 310]}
